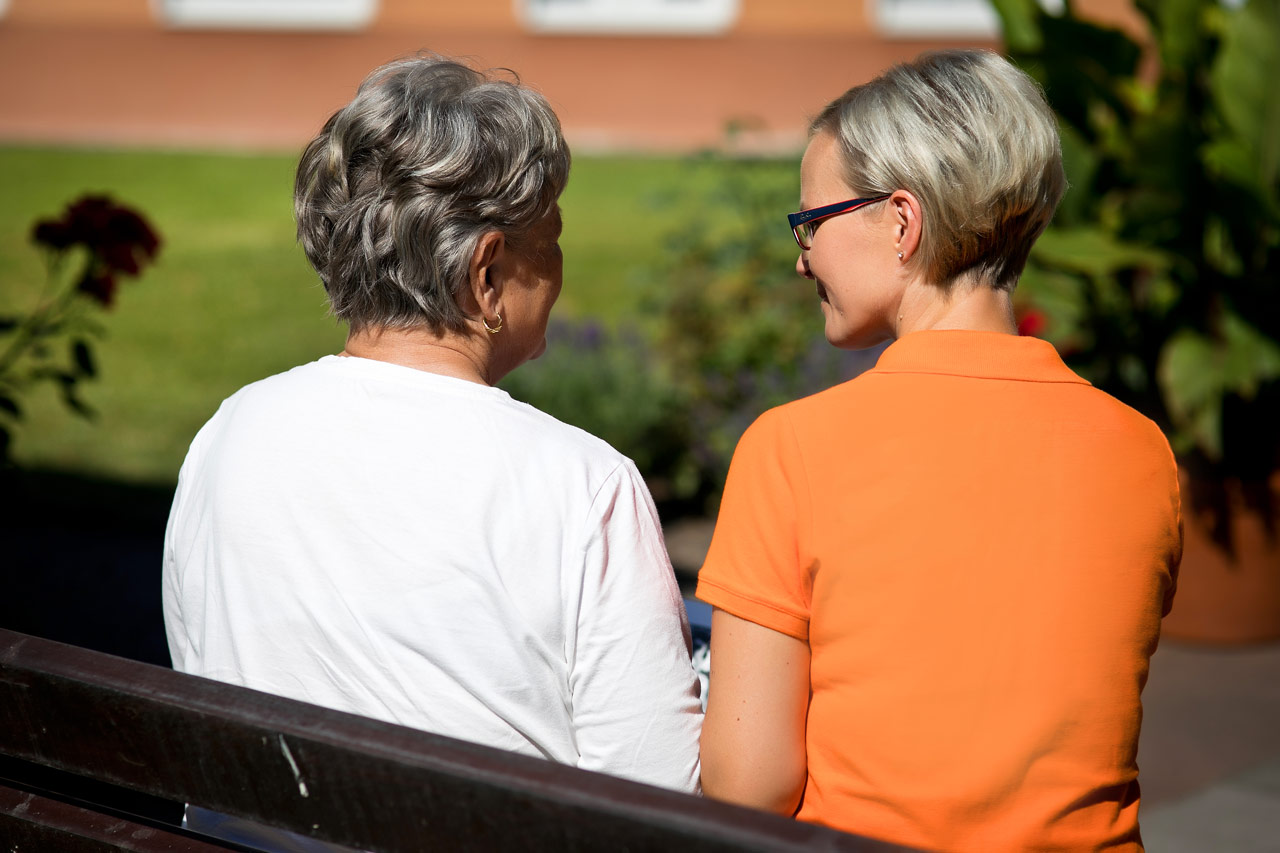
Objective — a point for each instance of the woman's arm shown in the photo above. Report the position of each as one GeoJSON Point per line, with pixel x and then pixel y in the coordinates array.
{"type": "Point", "coordinates": [753, 738]}
{"type": "Point", "coordinates": [635, 702]}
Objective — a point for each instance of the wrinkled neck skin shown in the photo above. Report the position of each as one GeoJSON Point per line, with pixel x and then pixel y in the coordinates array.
{"type": "Point", "coordinates": [460, 355]}
{"type": "Point", "coordinates": [968, 305]}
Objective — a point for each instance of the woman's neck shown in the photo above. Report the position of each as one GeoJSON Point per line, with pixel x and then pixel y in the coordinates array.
{"type": "Point", "coordinates": [445, 354]}
{"type": "Point", "coordinates": [967, 306]}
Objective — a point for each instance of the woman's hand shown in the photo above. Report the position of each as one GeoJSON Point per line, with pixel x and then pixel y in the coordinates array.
{"type": "Point", "coordinates": [753, 737]}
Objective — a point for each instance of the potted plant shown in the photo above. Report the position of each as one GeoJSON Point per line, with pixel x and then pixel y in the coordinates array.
{"type": "Point", "coordinates": [1157, 279]}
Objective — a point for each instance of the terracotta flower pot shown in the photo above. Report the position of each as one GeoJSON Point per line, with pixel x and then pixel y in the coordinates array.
{"type": "Point", "coordinates": [1228, 596]}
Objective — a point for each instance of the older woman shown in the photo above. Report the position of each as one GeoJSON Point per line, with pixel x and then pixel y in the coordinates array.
{"type": "Point", "coordinates": [937, 586]}
{"type": "Point", "coordinates": [383, 531]}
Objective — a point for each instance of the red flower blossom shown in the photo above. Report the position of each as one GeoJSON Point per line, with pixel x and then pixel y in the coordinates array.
{"type": "Point", "coordinates": [1032, 323]}
{"type": "Point", "coordinates": [55, 235]}
{"type": "Point", "coordinates": [100, 286]}
{"type": "Point", "coordinates": [118, 239]}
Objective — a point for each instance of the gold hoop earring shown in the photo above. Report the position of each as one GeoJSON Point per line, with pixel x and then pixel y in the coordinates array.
{"type": "Point", "coordinates": [493, 330]}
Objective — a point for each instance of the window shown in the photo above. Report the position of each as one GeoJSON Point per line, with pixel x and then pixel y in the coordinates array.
{"type": "Point", "coordinates": [628, 17]}
{"type": "Point", "coordinates": [957, 18]}
{"type": "Point", "coordinates": [268, 14]}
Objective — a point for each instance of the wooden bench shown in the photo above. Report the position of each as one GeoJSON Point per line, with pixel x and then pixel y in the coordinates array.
{"type": "Point", "coordinates": [98, 753]}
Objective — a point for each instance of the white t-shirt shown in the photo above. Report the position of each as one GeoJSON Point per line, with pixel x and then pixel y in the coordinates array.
{"type": "Point", "coordinates": [430, 552]}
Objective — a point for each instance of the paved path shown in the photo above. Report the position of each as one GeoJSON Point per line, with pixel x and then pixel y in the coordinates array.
{"type": "Point", "coordinates": [1210, 750]}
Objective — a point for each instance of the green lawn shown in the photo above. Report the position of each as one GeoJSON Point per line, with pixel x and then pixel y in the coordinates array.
{"type": "Point", "coordinates": [232, 299]}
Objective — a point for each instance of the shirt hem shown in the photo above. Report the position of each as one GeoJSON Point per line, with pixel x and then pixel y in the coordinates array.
{"type": "Point", "coordinates": [753, 610]}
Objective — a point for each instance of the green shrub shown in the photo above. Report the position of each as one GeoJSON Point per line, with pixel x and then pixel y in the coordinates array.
{"type": "Point", "coordinates": [1158, 275]}
{"type": "Point", "coordinates": [739, 332]}
{"type": "Point", "coordinates": [609, 382]}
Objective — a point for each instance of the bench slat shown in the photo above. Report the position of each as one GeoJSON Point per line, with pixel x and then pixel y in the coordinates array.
{"type": "Point", "coordinates": [341, 777]}
{"type": "Point", "coordinates": [31, 822]}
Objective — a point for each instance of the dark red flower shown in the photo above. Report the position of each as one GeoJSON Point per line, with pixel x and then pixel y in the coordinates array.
{"type": "Point", "coordinates": [89, 218]}
{"type": "Point", "coordinates": [125, 228]}
{"type": "Point", "coordinates": [100, 285]}
{"type": "Point", "coordinates": [1032, 323]}
{"type": "Point", "coordinates": [51, 233]}
{"type": "Point", "coordinates": [118, 238]}
{"type": "Point", "coordinates": [121, 257]}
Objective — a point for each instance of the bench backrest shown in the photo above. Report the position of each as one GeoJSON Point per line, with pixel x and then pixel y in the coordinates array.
{"type": "Point", "coordinates": [334, 776]}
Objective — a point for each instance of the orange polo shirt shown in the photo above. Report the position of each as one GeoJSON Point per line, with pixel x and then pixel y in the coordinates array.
{"type": "Point", "coordinates": [978, 546]}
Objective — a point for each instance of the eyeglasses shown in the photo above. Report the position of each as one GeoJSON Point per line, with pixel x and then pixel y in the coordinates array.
{"type": "Point", "coordinates": [804, 223]}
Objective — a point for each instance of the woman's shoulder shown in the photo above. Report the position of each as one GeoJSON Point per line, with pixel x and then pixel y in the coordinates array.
{"type": "Point", "coordinates": [553, 435]}
{"type": "Point", "coordinates": [342, 389]}
{"type": "Point", "coordinates": [293, 380]}
{"type": "Point", "coordinates": [829, 402]}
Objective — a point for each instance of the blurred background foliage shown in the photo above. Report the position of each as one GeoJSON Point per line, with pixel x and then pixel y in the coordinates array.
{"type": "Point", "coordinates": [88, 251]}
{"type": "Point", "coordinates": [1158, 276]}
{"type": "Point", "coordinates": [229, 300]}
{"type": "Point", "coordinates": [739, 331]}
{"type": "Point", "coordinates": [722, 330]}
{"type": "Point", "coordinates": [682, 318]}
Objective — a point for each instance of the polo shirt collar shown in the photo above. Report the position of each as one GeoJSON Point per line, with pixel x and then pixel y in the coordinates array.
{"type": "Point", "coordinates": [981, 355]}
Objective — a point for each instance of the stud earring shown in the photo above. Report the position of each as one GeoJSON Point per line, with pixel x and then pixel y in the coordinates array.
{"type": "Point", "coordinates": [899, 256]}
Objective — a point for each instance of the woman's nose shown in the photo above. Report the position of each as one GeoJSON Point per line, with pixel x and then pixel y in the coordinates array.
{"type": "Point", "coordinates": [802, 265]}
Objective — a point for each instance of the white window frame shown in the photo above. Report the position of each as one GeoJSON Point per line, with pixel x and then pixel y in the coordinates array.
{"type": "Point", "coordinates": [939, 18]}
{"type": "Point", "coordinates": [266, 14]}
{"type": "Point", "coordinates": [628, 17]}
{"type": "Point", "coordinates": [956, 18]}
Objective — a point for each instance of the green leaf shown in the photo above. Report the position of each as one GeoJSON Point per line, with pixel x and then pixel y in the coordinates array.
{"type": "Point", "coordinates": [1232, 161]}
{"type": "Point", "coordinates": [1244, 84]}
{"type": "Point", "coordinates": [1080, 162]}
{"type": "Point", "coordinates": [1177, 27]}
{"type": "Point", "coordinates": [1196, 372]}
{"type": "Point", "coordinates": [72, 399]}
{"type": "Point", "coordinates": [1020, 24]}
{"type": "Point", "coordinates": [1086, 71]}
{"type": "Point", "coordinates": [1093, 251]}
{"type": "Point", "coordinates": [82, 355]}
{"type": "Point", "coordinates": [1190, 376]}
{"type": "Point", "coordinates": [1250, 357]}
{"type": "Point", "coordinates": [1203, 431]}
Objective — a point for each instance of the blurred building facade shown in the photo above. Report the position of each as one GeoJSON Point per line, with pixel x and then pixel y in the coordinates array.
{"type": "Point", "coordinates": [624, 75]}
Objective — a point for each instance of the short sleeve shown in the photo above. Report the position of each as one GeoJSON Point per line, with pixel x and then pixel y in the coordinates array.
{"type": "Point", "coordinates": [636, 711]}
{"type": "Point", "coordinates": [756, 567]}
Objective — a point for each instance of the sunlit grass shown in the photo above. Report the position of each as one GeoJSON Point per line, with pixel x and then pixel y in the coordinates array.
{"type": "Point", "coordinates": [232, 299]}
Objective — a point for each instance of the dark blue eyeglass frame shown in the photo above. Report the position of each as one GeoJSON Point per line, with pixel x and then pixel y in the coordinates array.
{"type": "Point", "coordinates": [805, 222]}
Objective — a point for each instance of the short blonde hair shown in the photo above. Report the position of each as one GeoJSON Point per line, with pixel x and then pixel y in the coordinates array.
{"type": "Point", "coordinates": [973, 138]}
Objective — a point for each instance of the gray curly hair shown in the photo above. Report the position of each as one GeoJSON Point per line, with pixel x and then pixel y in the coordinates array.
{"type": "Point", "coordinates": [973, 138]}
{"type": "Point", "coordinates": [393, 194]}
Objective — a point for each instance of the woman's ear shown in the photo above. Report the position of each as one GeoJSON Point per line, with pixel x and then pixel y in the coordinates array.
{"type": "Point", "coordinates": [485, 284]}
{"type": "Point", "coordinates": [908, 223]}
